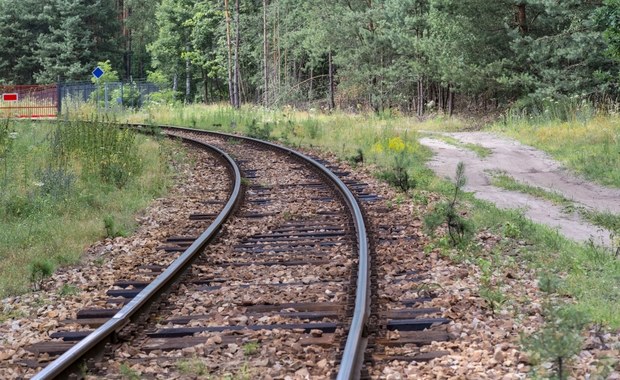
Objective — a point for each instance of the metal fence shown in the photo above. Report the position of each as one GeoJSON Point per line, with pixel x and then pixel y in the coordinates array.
{"type": "Point", "coordinates": [107, 96]}
{"type": "Point", "coordinates": [43, 101]}
{"type": "Point", "coordinates": [29, 101]}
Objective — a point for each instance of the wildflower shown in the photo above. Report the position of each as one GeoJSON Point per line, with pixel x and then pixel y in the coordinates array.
{"type": "Point", "coordinates": [396, 144]}
{"type": "Point", "coordinates": [13, 135]}
{"type": "Point", "coordinates": [38, 184]}
{"type": "Point", "coordinates": [377, 148]}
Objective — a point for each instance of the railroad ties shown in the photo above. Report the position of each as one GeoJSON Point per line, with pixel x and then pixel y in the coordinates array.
{"type": "Point", "coordinates": [275, 290]}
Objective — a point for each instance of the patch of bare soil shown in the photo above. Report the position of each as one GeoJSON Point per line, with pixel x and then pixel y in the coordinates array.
{"type": "Point", "coordinates": [532, 167]}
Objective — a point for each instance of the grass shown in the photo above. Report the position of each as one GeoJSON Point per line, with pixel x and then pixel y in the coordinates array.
{"type": "Point", "coordinates": [507, 182]}
{"type": "Point", "coordinates": [481, 151]}
{"type": "Point", "coordinates": [605, 220]}
{"type": "Point", "coordinates": [589, 146]}
{"type": "Point", "coordinates": [52, 198]}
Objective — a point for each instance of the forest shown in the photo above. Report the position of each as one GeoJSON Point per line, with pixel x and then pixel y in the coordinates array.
{"type": "Point", "coordinates": [413, 56]}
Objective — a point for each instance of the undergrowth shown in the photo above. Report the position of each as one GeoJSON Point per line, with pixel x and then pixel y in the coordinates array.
{"type": "Point", "coordinates": [57, 179]}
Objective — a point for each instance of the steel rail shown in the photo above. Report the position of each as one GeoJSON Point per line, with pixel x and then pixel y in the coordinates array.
{"type": "Point", "coordinates": [94, 343]}
{"type": "Point", "coordinates": [353, 354]}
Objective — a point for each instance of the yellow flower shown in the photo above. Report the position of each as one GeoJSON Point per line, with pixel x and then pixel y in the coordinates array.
{"type": "Point", "coordinates": [377, 148]}
{"type": "Point", "coordinates": [396, 144]}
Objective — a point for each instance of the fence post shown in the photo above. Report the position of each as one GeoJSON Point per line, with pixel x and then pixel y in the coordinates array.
{"type": "Point", "coordinates": [105, 95]}
{"type": "Point", "coordinates": [58, 98]}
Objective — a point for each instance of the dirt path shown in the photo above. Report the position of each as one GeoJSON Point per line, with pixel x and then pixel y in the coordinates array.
{"type": "Point", "coordinates": [532, 167]}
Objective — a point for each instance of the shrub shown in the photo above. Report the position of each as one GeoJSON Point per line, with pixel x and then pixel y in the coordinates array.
{"type": "Point", "coordinates": [460, 230]}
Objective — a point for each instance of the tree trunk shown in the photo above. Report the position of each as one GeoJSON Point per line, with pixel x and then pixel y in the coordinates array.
{"type": "Point", "coordinates": [265, 60]}
{"type": "Point", "coordinates": [206, 84]}
{"type": "Point", "coordinates": [188, 76]}
{"type": "Point", "coordinates": [440, 104]}
{"type": "Point", "coordinates": [229, 50]}
{"type": "Point", "coordinates": [175, 82]}
{"type": "Point", "coordinates": [236, 95]}
{"type": "Point", "coordinates": [420, 106]}
{"type": "Point", "coordinates": [450, 101]}
{"type": "Point", "coordinates": [521, 17]}
{"type": "Point", "coordinates": [331, 102]}
{"type": "Point", "coordinates": [310, 95]}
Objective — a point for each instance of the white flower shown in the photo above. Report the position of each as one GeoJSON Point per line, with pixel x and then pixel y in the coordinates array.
{"type": "Point", "coordinates": [13, 135]}
{"type": "Point", "coordinates": [38, 184]}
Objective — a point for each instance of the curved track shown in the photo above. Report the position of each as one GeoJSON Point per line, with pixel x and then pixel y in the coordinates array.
{"type": "Point", "coordinates": [307, 253]}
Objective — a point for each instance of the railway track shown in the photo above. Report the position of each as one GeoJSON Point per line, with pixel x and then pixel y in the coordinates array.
{"type": "Point", "coordinates": [281, 278]}
{"type": "Point", "coordinates": [282, 288]}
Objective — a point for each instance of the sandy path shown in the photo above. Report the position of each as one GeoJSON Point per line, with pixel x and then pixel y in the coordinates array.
{"type": "Point", "coordinates": [530, 166]}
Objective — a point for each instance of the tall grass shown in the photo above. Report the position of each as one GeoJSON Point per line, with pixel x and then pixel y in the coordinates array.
{"type": "Point", "coordinates": [572, 132]}
{"type": "Point", "coordinates": [58, 182]}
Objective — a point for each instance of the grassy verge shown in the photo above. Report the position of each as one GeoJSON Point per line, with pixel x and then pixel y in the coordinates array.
{"type": "Point", "coordinates": [62, 185]}
{"type": "Point", "coordinates": [590, 146]}
{"type": "Point", "coordinates": [585, 273]}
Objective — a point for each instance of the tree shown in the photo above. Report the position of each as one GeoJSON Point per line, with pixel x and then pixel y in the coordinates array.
{"type": "Point", "coordinates": [168, 50]}
{"type": "Point", "coordinates": [140, 32]}
{"type": "Point", "coordinates": [563, 52]}
{"type": "Point", "coordinates": [80, 33]}
{"type": "Point", "coordinates": [21, 21]}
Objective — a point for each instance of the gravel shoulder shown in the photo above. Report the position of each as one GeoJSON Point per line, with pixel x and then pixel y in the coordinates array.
{"type": "Point", "coordinates": [532, 167]}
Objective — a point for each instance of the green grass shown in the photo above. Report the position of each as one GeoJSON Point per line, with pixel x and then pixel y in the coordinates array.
{"type": "Point", "coordinates": [53, 198]}
{"type": "Point", "coordinates": [481, 151]}
{"type": "Point", "coordinates": [507, 182]}
{"type": "Point", "coordinates": [606, 220]}
{"type": "Point", "coordinates": [589, 146]}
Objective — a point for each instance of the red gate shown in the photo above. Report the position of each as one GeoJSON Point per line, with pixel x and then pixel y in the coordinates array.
{"type": "Point", "coordinates": [30, 101]}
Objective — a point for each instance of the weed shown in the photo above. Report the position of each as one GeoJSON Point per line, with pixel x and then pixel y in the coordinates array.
{"type": "Point", "coordinates": [112, 230]}
{"type": "Point", "coordinates": [481, 151]}
{"type": "Point", "coordinates": [56, 182]}
{"type": "Point", "coordinates": [129, 373]}
{"type": "Point", "coordinates": [549, 283]}
{"type": "Point", "coordinates": [397, 173]}
{"type": "Point", "coordinates": [504, 181]}
{"type": "Point", "coordinates": [358, 158]}
{"type": "Point", "coordinates": [99, 261]}
{"type": "Point", "coordinates": [511, 230]}
{"type": "Point", "coordinates": [250, 348]}
{"type": "Point", "coordinates": [494, 297]}
{"type": "Point", "coordinates": [68, 290]}
{"type": "Point", "coordinates": [8, 314]}
{"type": "Point", "coordinates": [39, 270]}
{"type": "Point", "coordinates": [193, 367]}
{"type": "Point", "coordinates": [257, 132]}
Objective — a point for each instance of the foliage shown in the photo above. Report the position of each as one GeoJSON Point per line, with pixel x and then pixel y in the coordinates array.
{"type": "Point", "coordinates": [68, 290]}
{"type": "Point", "coordinates": [112, 230]}
{"type": "Point", "coordinates": [460, 230]}
{"type": "Point", "coordinates": [558, 340]}
{"type": "Point", "coordinates": [39, 271]}
{"type": "Point", "coordinates": [55, 193]}
{"type": "Point", "coordinates": [399, 155]}
{"type": "Point", "coordinates": [585, 146]}
{"type": "Point", "coordinates": [259, 132]}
